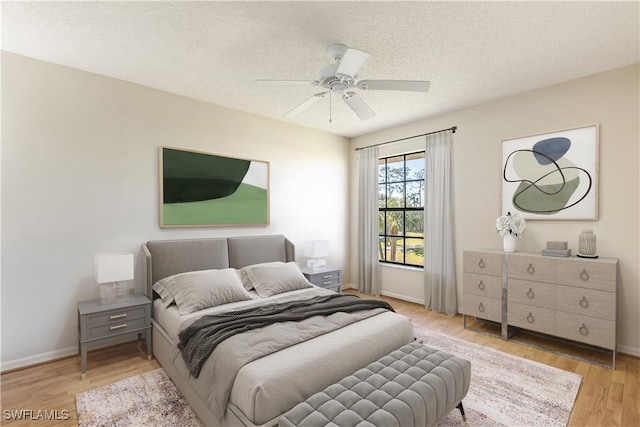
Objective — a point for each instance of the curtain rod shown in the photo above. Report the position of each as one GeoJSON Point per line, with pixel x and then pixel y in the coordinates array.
{"type": "Point", "coordinates": [452, 129]}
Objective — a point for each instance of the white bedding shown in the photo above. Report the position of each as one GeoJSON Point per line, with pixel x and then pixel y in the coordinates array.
{"type": "Point", "coordinates": [269, 386]}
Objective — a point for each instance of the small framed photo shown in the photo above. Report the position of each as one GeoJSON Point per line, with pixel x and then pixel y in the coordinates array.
{"type": "Point", "coordinates": [552, 176]}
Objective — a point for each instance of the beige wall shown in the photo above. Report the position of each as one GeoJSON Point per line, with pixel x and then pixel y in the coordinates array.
{"type": "Point", "coordinates": [609, 99]}
{"type": "Point", "coordinates": [80, 177]}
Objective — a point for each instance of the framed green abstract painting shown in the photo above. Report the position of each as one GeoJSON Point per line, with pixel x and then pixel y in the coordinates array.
{"type": "Point", "coordinates": [552, 175]}
{"type": "Point", "coordinates": [200, 189]}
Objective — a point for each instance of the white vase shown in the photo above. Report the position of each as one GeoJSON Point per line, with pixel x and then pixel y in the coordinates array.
{"type": "Point", "coordinates": [587, 243]}
{"type": "Point", "coordinates": [509, 242]}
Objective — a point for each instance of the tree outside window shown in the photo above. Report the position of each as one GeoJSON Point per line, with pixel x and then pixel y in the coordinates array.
{"type": "Point", "coordinates": [401, 209]}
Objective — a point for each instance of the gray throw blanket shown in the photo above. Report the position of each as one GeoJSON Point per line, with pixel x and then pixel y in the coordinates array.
{"type": "Point", "coordinates": [199, 340]}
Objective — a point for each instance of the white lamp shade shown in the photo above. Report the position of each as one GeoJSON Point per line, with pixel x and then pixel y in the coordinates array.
{"type": "Point", "coordinates": [316, 249]}
{"type": "Point", "coordinates": [113, 267]}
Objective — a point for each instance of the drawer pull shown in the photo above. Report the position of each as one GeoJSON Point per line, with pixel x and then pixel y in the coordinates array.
{"type": "Point", "coordinates": [124, 325]}
{"type": "Point", "coordinates": [584, 303]}
{"type": "Point", "coordinates": [530, 269]}
{"type": "Point", "coordinates": [328, 276]}
{"type": "Point", "coordinates": [481, 285]}
{"type": "Point", "coordinates": [583, 330]}
{"type": "Point", "coordinates": [530, 294]}
{"type": "Point", "coordinates": [481, 263]}
{"type": "Point", "coordinates": [530, 318]}
{"type": "Point", "coordinates": [584, 275]}
{"type": "Point", "coordinates": [117, 316]}
{"type": "Point", "coordinates": [327, 283]}
{"type": "Point", "coordinates": [481, 308]}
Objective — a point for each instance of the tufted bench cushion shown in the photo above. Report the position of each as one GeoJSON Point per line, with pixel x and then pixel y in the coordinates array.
{"type": "Point", "coordinates": [413, 386]}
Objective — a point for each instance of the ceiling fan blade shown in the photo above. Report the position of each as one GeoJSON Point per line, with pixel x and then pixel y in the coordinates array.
{"type": "Point", "coordinates": [405, 85]}
{"type": "Point", "coordinates": [309, 82]}
{"type": "Point", "coordinates": [306, 104]}
{"type": "Point", "coordinates": [351, 62]}
{"type": "Point", "coordinates": [358, 105]}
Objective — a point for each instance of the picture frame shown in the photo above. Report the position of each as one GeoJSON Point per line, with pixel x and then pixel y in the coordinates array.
{"type": "Point", "coordinates": [552, 176]}
{"type": "Point", "coordinates": [199, 189]}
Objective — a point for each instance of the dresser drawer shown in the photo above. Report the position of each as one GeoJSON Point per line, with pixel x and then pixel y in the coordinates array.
{"type": "Point", "coordinates": [482, 263]}
{"type": "Point", "coordinates": [588, 330]}
{"type": "Point", "coordinates": [590, 274]}
{"type": "Point", "coordinates": [483, 285]}
{"type": "Point", "coordinates": [531, 317]}
{"type": "Point", "coordinates": [537, 269]}
{"type": "Point", "coordinates": [116, 316]}
{"type": "Point", "coordinates": [587, 302]}
{"type": "Point", "coordinates": [482, 307]}
{"type": "Point", "coordinates": [527, 292]}
{"type": "Point", "coordinates": [115, 328]}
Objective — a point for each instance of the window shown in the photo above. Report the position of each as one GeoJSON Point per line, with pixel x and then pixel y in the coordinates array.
{"type": "Point", "coordinates": [401, 209]}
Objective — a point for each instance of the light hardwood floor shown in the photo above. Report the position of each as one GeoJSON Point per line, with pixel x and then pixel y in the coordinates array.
{"type": "Point", "coordinates": [606, 397]}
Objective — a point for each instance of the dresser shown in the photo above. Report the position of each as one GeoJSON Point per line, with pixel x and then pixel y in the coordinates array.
{"type": "Point", "coordinates": [569, 298]}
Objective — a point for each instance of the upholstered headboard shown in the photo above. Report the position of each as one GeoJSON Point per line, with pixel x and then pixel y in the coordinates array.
{"type": "Point", "coordinates": [165, 258]}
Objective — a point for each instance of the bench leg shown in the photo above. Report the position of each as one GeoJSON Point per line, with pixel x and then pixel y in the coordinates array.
{"type": "Point", "coordinates": [461, 411]}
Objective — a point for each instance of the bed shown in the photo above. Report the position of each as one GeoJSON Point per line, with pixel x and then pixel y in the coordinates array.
{"type": "Point", "coordinates": [268, 384]}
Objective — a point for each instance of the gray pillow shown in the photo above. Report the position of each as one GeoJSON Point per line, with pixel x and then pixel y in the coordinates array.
{"type": "Point", "coordinates": [196, 290]}
{"type": "Point", "coordinates": [274, 278]}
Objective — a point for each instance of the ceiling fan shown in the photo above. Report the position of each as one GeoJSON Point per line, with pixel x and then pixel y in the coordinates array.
{"type": "Point", "coordinates": [341, 78]}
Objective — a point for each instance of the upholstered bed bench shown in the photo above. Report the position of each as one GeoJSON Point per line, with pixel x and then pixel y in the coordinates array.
{"type": "Point", "coordinates": [413, 386]}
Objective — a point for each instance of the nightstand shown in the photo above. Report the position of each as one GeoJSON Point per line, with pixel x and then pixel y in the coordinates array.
{"type": "Point", "coordinates": [97, 321]}
{"type": "Point", "coordinates": [328, 277]}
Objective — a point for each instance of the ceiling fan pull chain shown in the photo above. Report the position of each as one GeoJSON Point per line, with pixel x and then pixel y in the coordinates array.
{"type": "Point", "coordinates": [330, 93]}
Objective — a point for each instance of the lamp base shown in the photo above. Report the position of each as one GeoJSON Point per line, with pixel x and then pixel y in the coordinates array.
{"type": "Point", "coordinates": [316, 264]}
{"type": "Point", "coordinates": [113, 292]}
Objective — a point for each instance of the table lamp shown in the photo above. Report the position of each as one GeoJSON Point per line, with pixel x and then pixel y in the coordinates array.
{"type": "Point", "coordinates": [315, 250]}
{"type": "Point", "coordinates": [110, 269]}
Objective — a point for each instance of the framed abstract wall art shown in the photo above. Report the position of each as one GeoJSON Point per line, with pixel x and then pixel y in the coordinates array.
{"type": "Point", "coordinates": [552, 175]}
{"type": "Point", "coordinates": [200, 189]}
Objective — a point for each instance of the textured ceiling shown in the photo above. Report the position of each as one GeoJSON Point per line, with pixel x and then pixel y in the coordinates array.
{"type": "Point", "coordinates": [472, 52]}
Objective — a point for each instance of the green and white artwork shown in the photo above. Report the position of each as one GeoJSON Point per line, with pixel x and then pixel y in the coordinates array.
{"type": "Point", "coordinates": [552, 175]}
{"type": "Point", "coordinates": [201, 189]}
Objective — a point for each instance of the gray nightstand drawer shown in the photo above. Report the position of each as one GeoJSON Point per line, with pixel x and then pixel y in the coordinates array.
{"type": "Point", "coordinates": [116, 316]}
{"type": "Point", "coordinates": [115, 328]}
{"type": "Point", "coordinates": [332, 278]}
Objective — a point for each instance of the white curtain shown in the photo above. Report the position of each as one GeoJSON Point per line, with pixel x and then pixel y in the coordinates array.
{"type": "Point", "coordinates": [439, 260]}
{"type": "Point", "coordinates": [368, 280]}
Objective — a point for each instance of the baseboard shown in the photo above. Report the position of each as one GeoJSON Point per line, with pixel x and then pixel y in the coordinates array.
{"type": "Point", "coordinates": [38, 359]}
{"type": "Point", "coordinates": [402, 297]}
{"type": "Point", "coordinates": [387, 294]}
{"type": "Point", "coordinates": [51, 356]}
{"type": "Point", "coordinates": [631, 351]}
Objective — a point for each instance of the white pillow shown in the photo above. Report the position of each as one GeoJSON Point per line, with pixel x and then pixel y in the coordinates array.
{"type": "Point", "coordinates": [246, 281]}
{"type": "Point", "coordinates": [274, 278]}
{"type": "Point", "coordinates": [196, 290]}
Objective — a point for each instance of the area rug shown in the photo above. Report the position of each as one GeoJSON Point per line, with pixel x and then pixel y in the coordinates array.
{"type": "Point", "coordinates": [150, 399]}
{"type": "Point", "coordinates": [507, 390]}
